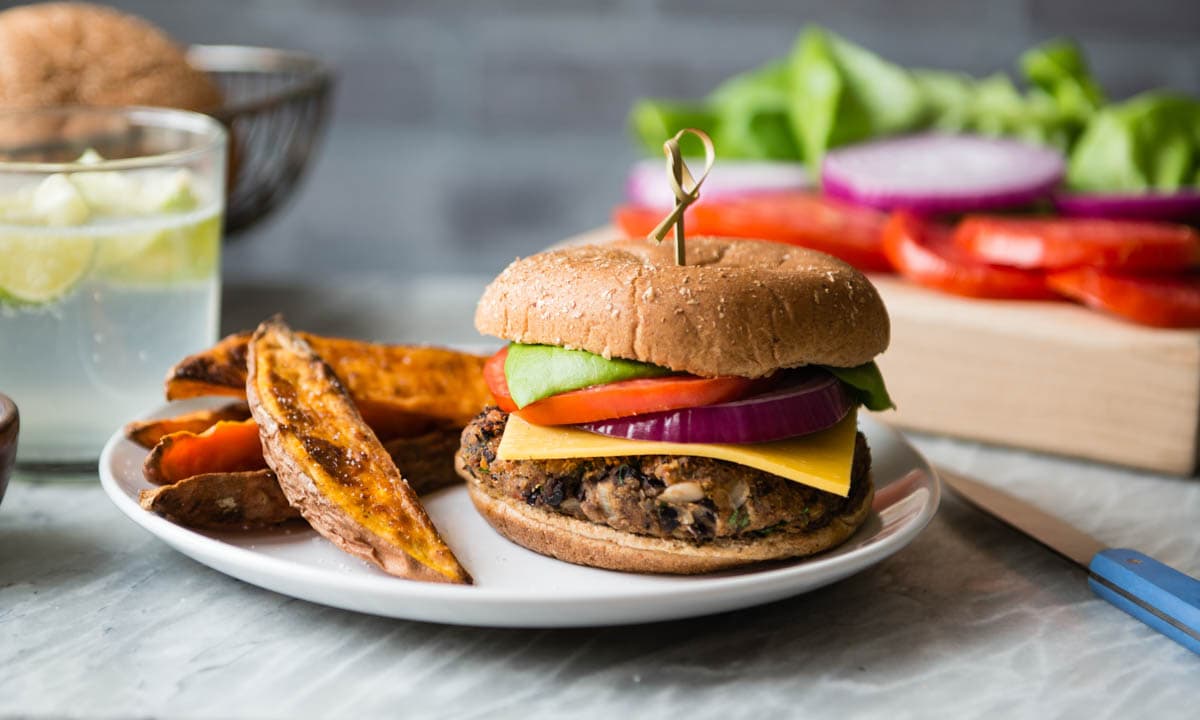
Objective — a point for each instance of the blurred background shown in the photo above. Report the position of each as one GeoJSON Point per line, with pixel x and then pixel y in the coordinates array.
{"type": "Point", "coordinates": [466, 133]}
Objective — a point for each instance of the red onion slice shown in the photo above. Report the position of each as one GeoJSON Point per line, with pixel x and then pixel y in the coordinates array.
{"type": "Point", "coordinates": [647, 184]}
{"type": "Point", "coordinates": [1180, 206]}
{"type": "Point", "coordinates": [809, 401]}
{"type": "Point", "coordinates": [936, 173]}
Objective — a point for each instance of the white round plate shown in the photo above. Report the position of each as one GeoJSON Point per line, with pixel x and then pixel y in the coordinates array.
{"type": "Point", "coordinates": [518, 588]}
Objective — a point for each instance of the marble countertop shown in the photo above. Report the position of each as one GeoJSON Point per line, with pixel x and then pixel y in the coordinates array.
{"type": "Point", "coordinates": [99, 619]}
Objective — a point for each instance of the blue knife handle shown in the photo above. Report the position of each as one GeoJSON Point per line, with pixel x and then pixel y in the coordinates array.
{"type": "Point", "coordinates": [1160, 596]}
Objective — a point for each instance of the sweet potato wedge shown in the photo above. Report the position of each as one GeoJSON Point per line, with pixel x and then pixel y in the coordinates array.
{"type": "Point", "coordinates": [251, 500]}
{"type": "Point", "coordinates": [147, 433]}
{"type": "Point", "coordinates": [228, 446]}
{"type": "Point", "coordinates": [219, 370]}
{"type": "Point", "coordinates": [332, 467]}
{"type": "Point", "coordinates": [222, 501]}
{"type": "Point", "coordinates": [427, 461]}
{"type": "Point", "coordinates": [397, 388]}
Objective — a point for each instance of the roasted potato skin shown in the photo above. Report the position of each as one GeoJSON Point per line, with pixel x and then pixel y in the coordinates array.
{"type": "Point", "coordinates": [248, 500]}
{"type": "Point", "coordinates": [253, 500]}
{"type": "Point", "coordinates": [219, 370]}
{"type": "Point", "coordinates": [401, 390]}
{"type": "Point", "coordinates": [227, 446]}
{"type": "Point", "coordinates": [332, 467]}
{"type": "Point", "coordinates": [427, 460]}
{"type": "Point", "coordinates": [148, 433]}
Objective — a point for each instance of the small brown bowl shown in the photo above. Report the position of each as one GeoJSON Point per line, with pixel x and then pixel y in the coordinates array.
{"type": "Point", "coordinates": [10, 426]}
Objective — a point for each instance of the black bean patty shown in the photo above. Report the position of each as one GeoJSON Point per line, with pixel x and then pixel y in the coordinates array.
{"type": "Point", "coordinates": [667, 496]}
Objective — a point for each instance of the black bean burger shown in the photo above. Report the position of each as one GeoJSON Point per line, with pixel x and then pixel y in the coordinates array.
{"type": "Point", "coordinates": [653, 417]}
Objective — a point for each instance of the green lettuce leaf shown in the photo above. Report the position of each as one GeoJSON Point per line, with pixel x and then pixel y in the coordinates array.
{"type": "Point", "coordinates": [653, 122]}
{"type": "Point", "coordinates": [829, 92]}
{"type": "Point", "coordinates": [866, 382]}
{"type": "Point", "coordinates": [752, 115]}
{"type": "Point", "coordinates": [842, 93]}
{"type": "Point", "coordinates": [1150, 142]}
{"type": "Point", "coordinates": [1058, 69]}
{"type": "Point", "coordinates": [535, 372]}
{"type": "Point", "coordinates": [949, 97]}
{"type": "Point", "coordinates": [746, 116]}
{"type": "Point", "coordinates": [999, 109]}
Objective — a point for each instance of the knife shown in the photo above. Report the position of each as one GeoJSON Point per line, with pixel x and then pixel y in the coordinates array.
{"type": "Point", "coordinates": [1160, 596]}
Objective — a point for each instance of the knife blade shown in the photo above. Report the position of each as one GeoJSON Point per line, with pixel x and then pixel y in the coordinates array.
{"type": "Point", "coordinates": [1158, 595]}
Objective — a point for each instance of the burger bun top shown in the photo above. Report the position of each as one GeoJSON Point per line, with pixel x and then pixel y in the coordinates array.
{"type": "Point", "coordinates": [738, 307]}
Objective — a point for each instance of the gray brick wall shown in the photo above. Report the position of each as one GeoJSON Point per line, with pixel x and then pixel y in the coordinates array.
{"type": "Point", "coordinates": [470, 131]}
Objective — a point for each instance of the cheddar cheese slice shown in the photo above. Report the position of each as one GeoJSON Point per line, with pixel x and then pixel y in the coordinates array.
{"type": "Point", "coordinates": [821, 460]}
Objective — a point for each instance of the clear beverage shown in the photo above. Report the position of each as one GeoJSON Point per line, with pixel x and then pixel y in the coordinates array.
{"type": "Point", "coordinates": [81, 364]}
{"type": "Point", "coordinates": [110, 236]}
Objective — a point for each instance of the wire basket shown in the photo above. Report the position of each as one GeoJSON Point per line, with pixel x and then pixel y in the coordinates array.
{"type": "Point", "coordinates": [276, 109]}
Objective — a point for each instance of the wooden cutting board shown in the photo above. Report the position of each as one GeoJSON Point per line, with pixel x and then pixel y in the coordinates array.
{"type": "Point", "coordinates": [1046, 376]}
{"type": "Point", "coordinates": [1043, 375]}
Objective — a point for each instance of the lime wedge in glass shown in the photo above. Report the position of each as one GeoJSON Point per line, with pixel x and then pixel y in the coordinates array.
{"type": "Point", "coordinates": [183, 251]}
{"type": "Point", "coordinates": [189, 251]}
{"type": "Point", "coordinates": [41, 268]}
{"type": "Point", "coordinates": [113, 251]}
{"type": "Point", "coordinates": [138, 232]}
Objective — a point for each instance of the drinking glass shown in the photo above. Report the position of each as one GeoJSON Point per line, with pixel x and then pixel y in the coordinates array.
{"type": "Point", "coordinates": [110, 237]}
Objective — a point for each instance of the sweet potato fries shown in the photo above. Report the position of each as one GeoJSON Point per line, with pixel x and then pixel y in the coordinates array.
{"type": "Point", "coordinates": [222, 501]}
{"type": "Point", "coordinates": [332, 467]}
{"type": "Point", "coordinates": [398, 389]}
{"type": "Point", "coordinates": [226, 447]}
{"type": "Point", "coordinates": [213, 474]}
{"type": "Point", "coordinates": [147, 433]}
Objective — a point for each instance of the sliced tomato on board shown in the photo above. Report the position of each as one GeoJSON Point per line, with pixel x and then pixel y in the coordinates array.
{"type": "Point", "coordinates": [1059, 243]}
{"type": "Point", "coordinates": [1158, 300]}
{"type": "Point", "coordinates": [841, 229]}
{"type": "Point", "coordinates": [618, 399]}
{"type": "Point", "coordinates": [924, 252]}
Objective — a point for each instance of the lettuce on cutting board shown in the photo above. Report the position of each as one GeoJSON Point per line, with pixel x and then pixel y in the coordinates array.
{"type": "Point", "coordinates": [1149, 142]}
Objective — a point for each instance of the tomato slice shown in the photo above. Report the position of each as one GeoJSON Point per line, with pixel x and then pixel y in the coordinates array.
{"type": "Point", "coordinates": [493, 377]}
{"type": "Point", "coordinates": [618, 399]}
{"type": "Point", "coordinates": [846, 231]}
{"type": "Point", "coordinates": [924, 252]}
{"type": "Point", "coordinates": [1059, 243]}
{"type": "Point", "coordinates": [1158, 300]}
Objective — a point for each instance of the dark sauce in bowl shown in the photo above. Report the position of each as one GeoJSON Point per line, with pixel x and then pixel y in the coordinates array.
{"type": "Point", "coordinates": [10, 424]}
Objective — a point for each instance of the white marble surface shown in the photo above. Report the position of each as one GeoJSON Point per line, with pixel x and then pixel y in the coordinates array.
{"type": "Point", "coordinates": [97, 619]}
